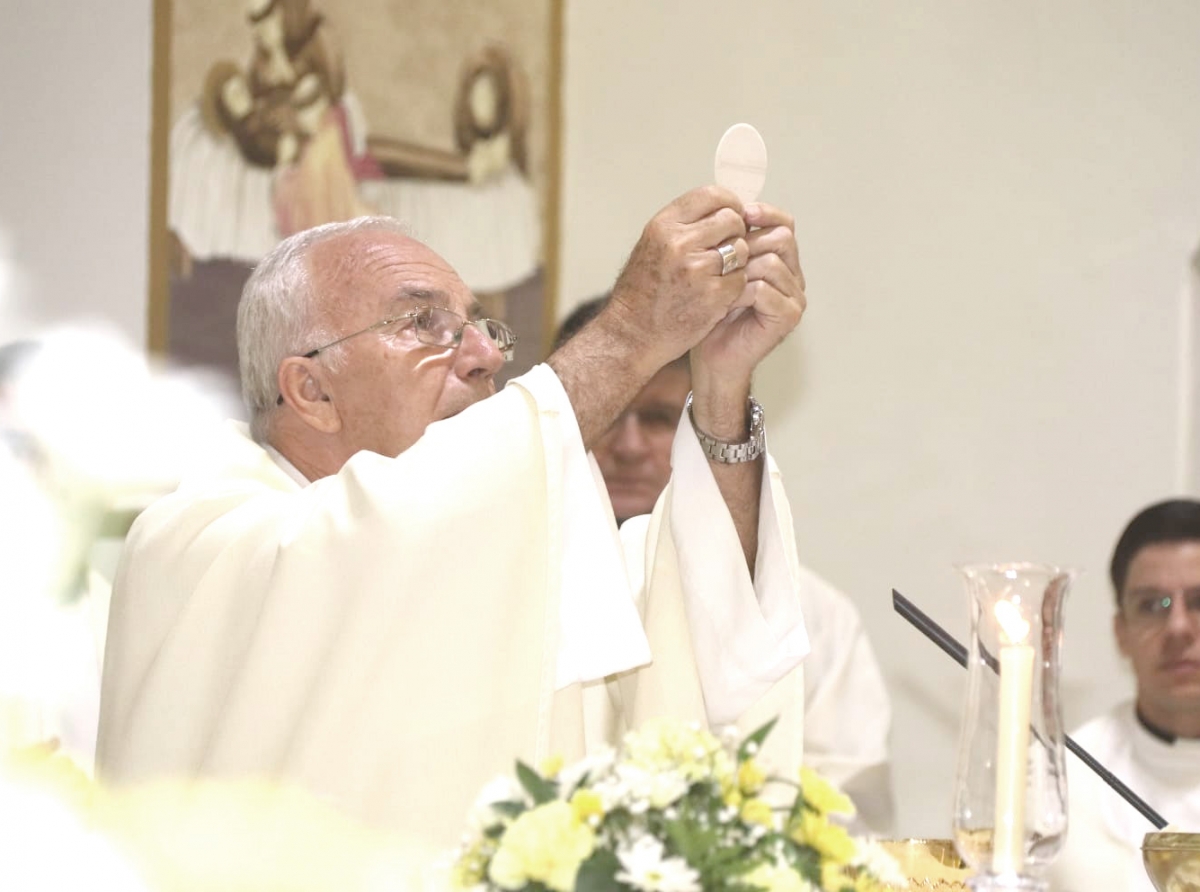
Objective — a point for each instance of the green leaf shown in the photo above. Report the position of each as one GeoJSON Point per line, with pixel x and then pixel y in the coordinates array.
{"type": "Point", "coordinates": [805, 860]}
{"type": "Point", "coordinates": [599, 873]}
{"type": "Point", "coordinates": [757, 739]}
{"type": "Point", "coordinates": [692, 842]}
{"type": "Point", "coordinates": [735, 886]}
{"type": "Point", "coordinates": [539, 789]}
{"type": "Point", "coordinates": [581, 784]}
{"type": "Point", "coordinates": [508, 809]}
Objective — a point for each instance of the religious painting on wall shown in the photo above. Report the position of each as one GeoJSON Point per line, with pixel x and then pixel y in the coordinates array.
{"type": "Point", "coordinates": [271, 116]}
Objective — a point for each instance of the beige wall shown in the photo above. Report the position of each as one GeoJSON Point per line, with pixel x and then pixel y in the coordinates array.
{"type": "Point", "coordinates": [74, 152]}
{"type": "Point", "coordinates": [997, 203]}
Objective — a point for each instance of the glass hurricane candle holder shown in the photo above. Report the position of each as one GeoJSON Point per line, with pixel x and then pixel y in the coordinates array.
{"type": "Point", "coordinates": [1010, 795]}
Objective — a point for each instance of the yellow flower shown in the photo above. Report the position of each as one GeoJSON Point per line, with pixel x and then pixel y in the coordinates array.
{"type": "Point", "coordinates": [864, 882]}
{"type": "Point", "coordinates": [755, 811]}
{"type": "Point", "coordinates": [587, 804]}
{"type": "Point", "coordinates": [750, 777]}
{"type": "Point", "coordinates": [552, 765]}
{"type": "Point", "coordinates": [830, 840]}
{"type": "Point", "coordinates": [732, 798]}
{"type": "Point", "coordinates": [834, 879]}
{"type": "Point", "coordinates": [822, 795]}
{"type": "Point", "coordinates": [776, 878]}
{"type": "Point", "coordinates": [544, 845]}
{"type": "Point", "coordinates": [470, 868]}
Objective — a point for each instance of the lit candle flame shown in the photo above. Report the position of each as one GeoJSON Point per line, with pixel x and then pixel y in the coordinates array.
{"type": "Point", "coordinates": [1012, 624]}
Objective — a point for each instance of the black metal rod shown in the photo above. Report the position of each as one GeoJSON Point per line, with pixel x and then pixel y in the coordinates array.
{"type": "Point", "coordinates": [958, 653]}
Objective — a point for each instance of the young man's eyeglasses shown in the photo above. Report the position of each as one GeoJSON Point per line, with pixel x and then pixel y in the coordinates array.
{"type": "Point", "coordinates": [435, 327]}
{"type": "Point", "coordinates": [1150, 610]}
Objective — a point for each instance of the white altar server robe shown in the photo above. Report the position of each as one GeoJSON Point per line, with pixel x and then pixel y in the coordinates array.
{"type": "Point", "coordinates": [1104, 832]}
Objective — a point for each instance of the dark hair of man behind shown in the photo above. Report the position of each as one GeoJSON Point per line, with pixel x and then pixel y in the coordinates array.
{"type": "Point", "coordinates": [578, 318]}
{"type": "Point", "coordinates": [1175, 520]}
{"type": "Point", "coordinates": [585, 313]}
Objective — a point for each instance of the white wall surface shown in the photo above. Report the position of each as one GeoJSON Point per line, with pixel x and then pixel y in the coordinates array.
{"type": "Point", "coordinates": [74, 159]}
{"type": "Point", "coordinates": [996, 206]}
{"type": "Point", "coordinates": [997, 203]}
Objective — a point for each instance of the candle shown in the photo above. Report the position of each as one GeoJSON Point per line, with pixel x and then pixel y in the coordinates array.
{"type": "Point", "coordinates": [1012, 750]}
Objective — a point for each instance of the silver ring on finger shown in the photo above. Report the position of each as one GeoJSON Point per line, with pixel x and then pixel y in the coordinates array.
{"type": "Point", "coordinates": [729, 258]}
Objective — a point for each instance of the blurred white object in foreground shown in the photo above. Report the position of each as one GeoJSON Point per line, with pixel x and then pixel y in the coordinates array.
{"type": "Point", "coordinates": [108, 419]}
{"type": "Point", "coordinates": [48, 848]}
{"type": "Point", "coordinates": [92, 432]}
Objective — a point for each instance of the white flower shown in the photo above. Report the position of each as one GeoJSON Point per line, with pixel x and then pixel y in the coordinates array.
{"type": "Point", "coordinates": [593, 767]}
{"type": "Point", "coordinates": [638, 789]}
{"type": "Point", "coordinates": [644, 867]}
{"type": "Point", "coordinates": [658, 789]}
{"type": "Point", "coordinates": [500, 789]}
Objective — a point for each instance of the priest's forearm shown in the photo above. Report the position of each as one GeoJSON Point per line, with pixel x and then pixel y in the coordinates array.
{"type": "Point", "coordinates": [719, 409]}
{"type": "Point", "coordinates": [602, 368]}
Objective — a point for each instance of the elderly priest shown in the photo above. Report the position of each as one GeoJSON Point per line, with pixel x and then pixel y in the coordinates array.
{"type": "Point", "coordinates": [395, 582]}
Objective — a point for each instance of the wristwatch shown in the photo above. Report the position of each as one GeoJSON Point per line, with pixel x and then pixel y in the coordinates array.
{"type": "Point", "coordinates": [733, 453]}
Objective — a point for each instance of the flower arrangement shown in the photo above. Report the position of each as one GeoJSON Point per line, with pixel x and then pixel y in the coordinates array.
{"type": "Point", "coordinates": [677, 809]}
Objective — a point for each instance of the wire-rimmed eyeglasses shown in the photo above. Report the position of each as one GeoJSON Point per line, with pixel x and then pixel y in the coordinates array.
{"type": "Point", "coordinates": [1150, 610]}
{"type": "Point", "coordinates": [435, 327]}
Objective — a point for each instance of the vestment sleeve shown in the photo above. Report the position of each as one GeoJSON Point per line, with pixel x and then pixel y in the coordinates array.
{"type": "Point", "coordinates": [600, 633]}
{"type": "Point", "coordinates": [359, 636]}
{"type": "Point", "coordinates": [847, 709]}
{"type": "Point", "coordinates": [747, 635]}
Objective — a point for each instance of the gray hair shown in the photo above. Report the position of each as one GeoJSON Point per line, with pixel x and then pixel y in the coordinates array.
{"type": "Point", "coordinates": [279, 313]}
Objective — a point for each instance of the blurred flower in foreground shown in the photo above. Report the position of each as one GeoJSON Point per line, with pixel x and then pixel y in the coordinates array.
{"type": "Point", "coordinates": [177, 837]}
{"type": "Point", "coordinates": [89, 433]}
{"type": "Point", "coordinates": [48, 845]}
{"type": "Point", "coordinates": [108, 418]}
{"type": "Point", "coordinates": [229, 836]}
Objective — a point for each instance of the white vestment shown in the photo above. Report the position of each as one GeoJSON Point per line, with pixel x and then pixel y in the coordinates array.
{"type": "Point", "coordinates": [847, 712]}
{"type": "Point", "coordinates": [389, 636]}
{"type": "Point", "coordinates": [1104, 832]}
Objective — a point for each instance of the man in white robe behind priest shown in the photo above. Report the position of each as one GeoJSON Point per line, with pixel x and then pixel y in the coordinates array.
{"type": "Point", "coordinates": [847, 712]}
{"type": "Point", "coordinates": [395, 582]}
{"type": "Point", "coordinates": [1152, 743]}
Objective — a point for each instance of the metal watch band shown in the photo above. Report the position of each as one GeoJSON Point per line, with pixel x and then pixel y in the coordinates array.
{"type": "Point", "coordinates": [733, 453]}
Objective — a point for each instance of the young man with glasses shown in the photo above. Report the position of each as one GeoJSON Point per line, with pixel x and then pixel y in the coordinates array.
{"type": "Point", "coordinates": [395, 582]}
{"type": "Point", "coordinates": [1152, 743]}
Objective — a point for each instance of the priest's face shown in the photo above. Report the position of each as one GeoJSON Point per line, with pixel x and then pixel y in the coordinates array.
{"type": "Point", "coordinates": [388, 386]}
{"type": "Point", "coordinates": [635, 453]}
{"type": "Point", "coordinates": [1158, 629]}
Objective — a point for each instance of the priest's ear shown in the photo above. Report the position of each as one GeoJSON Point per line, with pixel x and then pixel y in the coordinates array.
{"type": "Point", "coordinates": [303, 387]}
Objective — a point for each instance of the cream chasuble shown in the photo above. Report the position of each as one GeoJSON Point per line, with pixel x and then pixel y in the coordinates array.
{"type": "Point", "coordinates": [389, 637]}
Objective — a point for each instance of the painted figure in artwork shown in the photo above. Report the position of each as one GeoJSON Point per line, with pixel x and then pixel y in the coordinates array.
{"type": "Point", "coordinates": [280, 143]}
